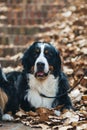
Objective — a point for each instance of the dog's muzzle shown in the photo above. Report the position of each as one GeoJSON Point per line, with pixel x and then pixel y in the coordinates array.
{"type": "Point", "coordinates": [40, 66]}
{"type": "Point", "coordinates": [41, 71]}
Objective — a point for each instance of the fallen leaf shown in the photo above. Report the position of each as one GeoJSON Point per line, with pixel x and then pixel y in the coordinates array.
{"type": "Point", "coordinates": [84, 97]}
{"type": "Point", "coordinates": [31, 113]}
{"type": "Point", "coordinates": [20, 113]}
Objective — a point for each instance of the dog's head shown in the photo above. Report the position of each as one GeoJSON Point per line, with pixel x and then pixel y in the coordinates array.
{"type": "Point", "coordinates": [42, 59]}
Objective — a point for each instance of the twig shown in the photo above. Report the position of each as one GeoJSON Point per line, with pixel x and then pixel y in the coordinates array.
{"type": "Point", "coordinates": [77, 82]}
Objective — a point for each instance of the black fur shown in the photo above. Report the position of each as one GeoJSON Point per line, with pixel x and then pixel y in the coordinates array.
{"type": "Point", "coordinates": [9, 85]}
{"type": "Point", "coordinates": [63, 87]}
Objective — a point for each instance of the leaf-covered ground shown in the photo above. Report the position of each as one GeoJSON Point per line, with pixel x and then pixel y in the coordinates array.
{"type": "Point", "coordinates": [68, 32]}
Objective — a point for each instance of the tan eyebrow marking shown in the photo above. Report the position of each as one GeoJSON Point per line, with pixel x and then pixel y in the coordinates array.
{"type": "Point", "coordinates": [46, 51]}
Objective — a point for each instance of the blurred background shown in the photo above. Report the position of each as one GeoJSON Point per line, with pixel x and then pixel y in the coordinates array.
{"type": "Point", "coordinates": [20, 20]}
{"type": "Point", "coordinates": [62, 22]}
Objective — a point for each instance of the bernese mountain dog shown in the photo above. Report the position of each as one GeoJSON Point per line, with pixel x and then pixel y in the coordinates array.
{"type": "Point", "coordinates": [41, 83]}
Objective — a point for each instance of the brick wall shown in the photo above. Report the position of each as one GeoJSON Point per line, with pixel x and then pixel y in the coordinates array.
{"type": "Point", "coordinates": [20, 19]}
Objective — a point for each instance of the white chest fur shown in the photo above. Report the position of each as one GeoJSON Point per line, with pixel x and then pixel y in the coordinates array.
{"type": "Point", "coordinates": [48, 87]}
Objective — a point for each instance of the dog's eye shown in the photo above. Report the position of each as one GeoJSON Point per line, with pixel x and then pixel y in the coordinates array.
{"type": "Point", "coordinates": [36, 52]}
{"type": "Point", "coordinates": [48, 54]}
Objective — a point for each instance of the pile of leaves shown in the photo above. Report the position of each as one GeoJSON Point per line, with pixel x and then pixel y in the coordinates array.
{"type": "Point", "coordinates": [68, 32]}
{"type": "Point", "coordinates": [54, 119]}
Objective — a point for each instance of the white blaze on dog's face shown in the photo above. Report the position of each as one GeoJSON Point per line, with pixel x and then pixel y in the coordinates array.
{"type": "Point", "coordinates": [41, 67]}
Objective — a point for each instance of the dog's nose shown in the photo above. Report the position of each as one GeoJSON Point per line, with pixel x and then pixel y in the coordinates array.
{"type": "Point", "coordinates": [40, 66]}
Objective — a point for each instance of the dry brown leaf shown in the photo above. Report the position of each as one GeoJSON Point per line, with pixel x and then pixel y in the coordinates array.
{"type": "Point", "coordinates": [43, 110]}
{"type": "Point", "coordinates": [43, 117]}
{"type": "Point", "coordinates": [71, 116]}
{"type": "Point", "coordinates": [65, 127]}
{"type": "Point", "coordinates": [20, 113]}
{"type": "Point", "coordinates": [84, 97]}
{"type": "Point", "coordinates": [31, 113]}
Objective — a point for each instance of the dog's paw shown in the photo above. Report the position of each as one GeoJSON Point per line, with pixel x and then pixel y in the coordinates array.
{"type": "Point", "coordinates": [7, 117]}
{"type": "Point", "coordinates": [57, 113]}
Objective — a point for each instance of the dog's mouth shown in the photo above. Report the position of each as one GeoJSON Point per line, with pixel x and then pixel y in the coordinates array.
{"type": "Point", "coordinates": [41, 75]}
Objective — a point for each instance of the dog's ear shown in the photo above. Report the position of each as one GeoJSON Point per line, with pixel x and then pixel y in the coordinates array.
{"type": "Point", "coordinates": [58, 63]}
{"type": "Point", "coordinates": [26, 60]}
